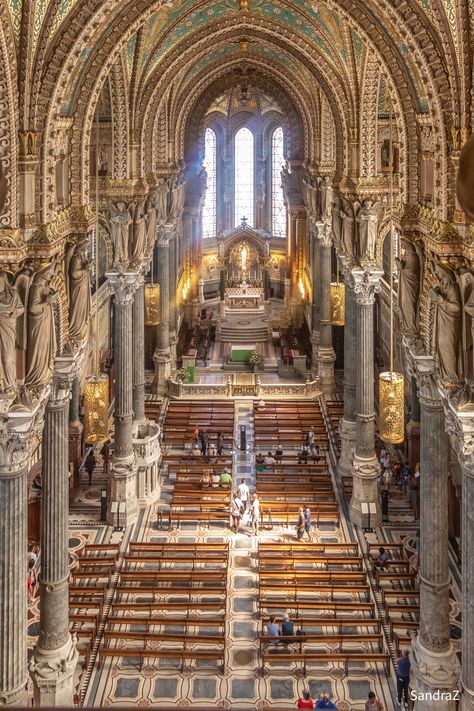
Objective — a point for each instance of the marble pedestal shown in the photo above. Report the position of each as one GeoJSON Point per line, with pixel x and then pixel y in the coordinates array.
{"type": "Point", "coordinates": [365, 474]}
{"type": "Point", "coordinates": [434, 678]}
{"type": "Point", "coordinates": [347, 433]}
{"type": "Point", "coordinates": [53, 674]}
{"type": "Point", "coordinates": [162, 360]}
{"type": "Point", "coordinates": [122, 507]}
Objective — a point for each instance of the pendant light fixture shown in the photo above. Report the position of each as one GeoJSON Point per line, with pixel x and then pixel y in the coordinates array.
{"type": "Point", "coordinates": [152, 302]}
{"type": "Point", "coordinates": [337, 299]}
{"type": "Point", "coordinates": [391, 384]}
{"type": "Point", "coordinates": [96, 387]}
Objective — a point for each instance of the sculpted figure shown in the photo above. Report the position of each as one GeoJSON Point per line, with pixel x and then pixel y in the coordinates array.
{"type": "Point", "coordinates": [347, 232]}
{"type": "Point", "coordinates": [326, 197]}
{"type": "Point", "coordinates": [79, 294]}
{"type": "Point", "coordinates": [466, 284]}
{"type": "Point", "coordinates": [448, 324]}
{"type": "Point", "coordinates": [162, 201]}
{"type": "Point", "coordinates": [120, 221]}
{"type": "Point", "coordinates": [409, 289]}
{"type": "Point", "coordinates": [139, 233]}
{"type": "Point", "coordinates": [41, 333]}
{"type": "Point", "coordinates": [367, 223]}
{"type": "Point", "coordinates": [151, 221]}
{"type": "Point", "coordinates": [10, 309]}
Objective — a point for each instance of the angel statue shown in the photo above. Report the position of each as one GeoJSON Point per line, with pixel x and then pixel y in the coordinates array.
{"type": "Point", "coordinates": [10, 309]}
{"type": "Point", "coordinates": [367, 220]}
{"type": "Point", "coordinates": [448, 325]}
{"type": "Point", "coordinates": [409, 275]}
{"type": "Point", "coordinates": [120, 221]}
{"type": "Point", "coordinates": [41, 332]}
{"type": "Point", "coordinates": [79, 293]}
{"type": "Point", "coordinates": [139, 233]}
{"type": "Point", "coordinates": [162, 201]}
{"type": "Point", "coordinates": [151, 220]}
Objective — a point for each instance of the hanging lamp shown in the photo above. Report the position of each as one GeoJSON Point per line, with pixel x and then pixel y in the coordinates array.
{"type": "Point", "coordinates": [96, 387]}
{"type": "Point", "coordinates": [337, 300]}
{"type": "Point", "coordinates": [152, 302]}
{"type": "Point", "coordinates": [391, 384]}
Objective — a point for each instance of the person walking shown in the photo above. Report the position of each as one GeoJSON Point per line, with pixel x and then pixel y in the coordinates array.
{"type": "Point", "coordinates": [244, 493]}
{"type": "Point", "coordinates": [300, 526]}
{"type": "Point", "coordinates": [403, 676]}
{"type": "Point", "coordinates": [105, 452]}
{"type": "Point", "coordinates": [255, 519]}
{"type": "Point", "coordinates": [236, 509]}
{"type": "Point", "coordinates": [220, 444]}
{"type": "Point", "coordinates": [203, 440]}
{"type": "Point", "coordinates": [89, 465]}
{"type": "Point", "coordinates": [307, 522]}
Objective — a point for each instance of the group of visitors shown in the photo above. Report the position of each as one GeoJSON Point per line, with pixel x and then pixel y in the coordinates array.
{"type": "Point", "coordinates": [400, 476]}
{"type": "Point", "coordinates": [245, 508]}
{"type": "Point", "coordinates": [286, 630]}
{"type": "Point", "coordinates": [267, 461]}
{"type": "Point", "coordinates": [324, 702]}
{"type": "Point", "coordinates": [212, 478]}
{"type": "Point", "coordinates": [203, 444]}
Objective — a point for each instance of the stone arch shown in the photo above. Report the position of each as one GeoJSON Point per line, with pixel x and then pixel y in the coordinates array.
{"type": "Point", "coordinates": [120, 121]}
{"type": "Point", "coordinates": [9, 205]}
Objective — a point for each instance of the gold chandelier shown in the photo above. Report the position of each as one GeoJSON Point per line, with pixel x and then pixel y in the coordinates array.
{"type": "Point", "coordinates": [337, 300]}
{"type": "Point", "coordinates": [391, 384]}
{"type": "Point", "coordinates": [96, 388]}
{"type": "Point", "coordinates": [152, 305]}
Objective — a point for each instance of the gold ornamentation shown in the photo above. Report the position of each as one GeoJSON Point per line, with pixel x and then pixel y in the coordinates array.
{"type": "Point", "coordinates": [392, 408]}
{"type": "Point", "coordinates": [96, 405]}
{"type": "Point", "coordinates": [152, 304]}
{"type": "Point", "coordinates": [337, 294]}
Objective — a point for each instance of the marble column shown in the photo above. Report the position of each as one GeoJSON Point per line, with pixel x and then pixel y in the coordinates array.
{"type": "Point", "coordinates": [347, 425]}
{"type": "Point", "coordinates": [123, 470]}
{"type": "Point", "coordinates": [326, 355]}
{"type": "Point", "coordinates": [413, 427]}
{"type": "Point", "coordinates": [14, 463]}
{"type": "Point", "coordinates": [365, 466]}
{"type": "Point", "coordinates": [162, 355]}
{"type": "Point", "coordinates": [434, 664]}
{"type": "Point", "coordinates": [138, 317]}
{"type": "Point", "coordinates": [316, 284]}
{"type": "Point", "coordinates": [75, 430]}
{"type": "Point", "coordinates": [173, 267]}
{"type": "Point", "coordinates": [55, 655]}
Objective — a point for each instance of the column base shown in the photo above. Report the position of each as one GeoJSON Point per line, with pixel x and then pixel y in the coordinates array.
{"type": "Point", "coordinates": [434, 679]}
{"type": "Point", "coordinates": [326, 360]}
{"type": "Point", "coordinates": [347, 433]}
{"type": "Point", "coordinates": [162, 360]}
{"type": "Point", "coordinates": [467, 699]}
{"type": "Point", "coordinates": [122, 506]}
{"type": "Point", "coordinates": [365, 474]}
{"type": "Point", "coordinates": [14, 697]}
{"type": "Point", "coordinates": [52, 672]}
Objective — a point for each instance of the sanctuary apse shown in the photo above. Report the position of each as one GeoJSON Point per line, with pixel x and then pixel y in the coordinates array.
{"type": "Point", "coordinates": [219, 223]}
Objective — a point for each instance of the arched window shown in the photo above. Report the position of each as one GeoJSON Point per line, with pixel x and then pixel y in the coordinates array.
{"type": "Point", "coordinates": [210, 164]}
{"type": "Point", "coordinates": [244, 176]}
{"type": "Point", "coordinates": [278, 201]}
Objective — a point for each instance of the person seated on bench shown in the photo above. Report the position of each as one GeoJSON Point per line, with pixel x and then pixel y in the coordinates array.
{"type": "Point", "coordinates": [196, 450]}
{"type": "Point", "coordinates": [305, 701]}
{"type": "Point", "coordinates": [225, 479]}
{"type": "Point", "coordinates": [205, 480]}
{"type": "Point", "coordinates": [212, 451]}
{"type": "Point", "coordinates": [373, 703]}
{"type": "Point", "coordinates": [269, 461]}
{"type": "Point", "coordinates": [316, 453]}
{"type": "Point", "coordinates": [273, 631]}
{"type": "Point", "coordinates": [278, 453]}
{"type": "Point", "coordinates": [259, 461]}
{"type": "Point", "coordinates": [287, 630]}
{"type": "Point", "coordinates": [303, 454]}
{"type": "Point", "coordinates": [215, 480]}
{"type": "Point", "coordinates": [325, 702]}
{"type": "Point", "coordinates": [380, 560]}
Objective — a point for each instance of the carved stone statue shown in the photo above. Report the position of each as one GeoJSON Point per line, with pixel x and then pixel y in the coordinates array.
{"type": "Point", "coordinates": [3, 189]}
{"type": "Point", "coordinates": [139, 233]}
{"type": "Point", "coordinates": [448, 325]}
{"type": "Point", "coordinates": [162, 201]}
{"type": "Point", "coordinates": [79, 295]}
{"type": "Point", "coordinates": [466, 284]}
{"type": "Point", "coordinates": [10, 309]}
{"type": "Point", "coordinates": [326, 197]}
{"type": "Point", "coordinates": [409, 289]}
{"type": "Point", "coordinates": [367, 224]}
{"type": "Point", "coordinates": [151, 221]}
{"type": "Point", "coordinates": [347, 232]}
{"type": "Point", "coordinates": [176, 198]}
{"type": "Point", "coordinates": [120, 221]}
{"type": "Point", "coordinates": [41, 333]}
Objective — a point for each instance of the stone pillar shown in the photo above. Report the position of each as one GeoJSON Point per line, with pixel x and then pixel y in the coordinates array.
{"type": "Point", "coordinates": [138, 316]}
{"type": "Point", "coordinates": [347, 425]}
{"type": "Point", "coordinates": [316, 284]}
{"type": "Point", "coordinates": [123, 470]}
{"type": "Point", "coordinates": [162, 355]}
{"type": "Point", "coordinates": [75, 430]}
{"type": "Point", "coordinates": [173, 267]}
{"type": "Point", "coordinates": [14, 460]}
{"type": "Point", "coordinates": [365, 466]}
{"type": "Point", "coordinates": [434, 663]}
{"type": "Point", "coordinates": [413, 427]}
{"type": "Point", "coordinates": [326, 355]}
{"type": "Point", "coordinates": [55, 655]}
{"type": "Point", "coordinates": [467, 534]}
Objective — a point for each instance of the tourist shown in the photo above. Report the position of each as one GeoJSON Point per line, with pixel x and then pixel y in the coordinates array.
{"type": "Point", "coordinates": [380, 560]}
{"type": "Point", "coordinates": [32, 580]}
{"type": "Point", "coordinates": [310, 439]}
{"type": "Point", "coordinates": [415, 561]}
{"type": "Point", "coordinates": [31, 555]}
{"type": "Point", "coordinates": [305, 701]}
{"type": "Point", "coordinates": [278, 454]}
{"type": "Point", "coordinates": [403, 676]}
{"type": "Point", "coordinates": [260, 462]}
{"type": "Point", "coordinates": [317, 452]}
{"type": "Point", "coordinates": [105, 453]}
{"type": "Point", "coordinates": [196, 432]}
{"type": "Point", "coordinates": [196, 450]}
{"type": "Point", "coordinates": [273, 631]}
{"type": "Point", "coordinates": [413, 494]}
{"type": "Point", "coordinates": [300, 526]}
{"type": "Point", "coordinates": [89, 464]}
{"type": "Point", "coordinates": [303, 454]}
{"type": "Point", "coordinates": [212, 451]}
{"type": "Point", "coordinates": [307, 521]}
{"type": "Point", "coordinates": [244, 493]}
{"type": "Point", "coordinates": [204, 440]}
{"type": "Point", "coordinates": [215, 480]}
{"type": "Point", "coordinates": [255, 515]}
{"type": "Point", "coordinates": [387, 478]}
{"type": "Point", "coordinates": [325, 702]}
{"type": "Point", "coordinates": [269, 461]}
{"type": "Point", "coordinates": [220, 444]}
{"type": "Point", "coordinates": [236, 509]}
{"type": "Point", "coordinates": [205, 480]}
{"type": "Point", "coordinates": [226, 479]}
{"type": "Point", "coordinates": [288, 630]}
{"type": "Point", "coordinates": [372, 703]}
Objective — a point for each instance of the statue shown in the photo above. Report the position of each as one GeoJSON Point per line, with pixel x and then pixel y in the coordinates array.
{"type": "Point", "coordinates": [326, 197]}
{"type": "Point", "coordinates": [3, 189]}
{"type": "Point", "coordinates": [177, 198]}
{"type": "Point", "coordinates": [10, 309]}
{"type": "Point", "coordinates": [79, 292]}
{"type": "Point", "coordinates": [139, 233]}
{"type": "Point", "coordinates": [41, 333]}
{"type": "Point", "coordinates": [409, 289]}
{"type": "Point", "coordinates": [466, 285]}
{"type": "Point", "coordinates": [151, 221]}
{"type": "Point", "coordinates": [448, 325]}
{"type": "Point", "coordinates": [162, 201]}
{"type": "Point", "coordinates": [347, 231]}
{"type": "Point", "coordinates": [368, 222]}
{"type": "Point", "coordinates": [120, 221]}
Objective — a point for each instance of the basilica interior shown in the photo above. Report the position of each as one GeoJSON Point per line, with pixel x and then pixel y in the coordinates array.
{"type": "Point", "coordinates": [236, 245]}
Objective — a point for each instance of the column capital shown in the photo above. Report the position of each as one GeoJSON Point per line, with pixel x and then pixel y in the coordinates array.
{"type": "Point", "coordinates": [324, 231]}
{"type": "Point", "coordinates": [16, 434]}
{"type": "Point", "coordinates": [65, 370]}
{"type": "Point", "coordinates": [365, 285]}
{"type": "Point", "coordinates": [460, 424]}
{"type": "Point", "coordinates": [423, 369]}
{"type": "Point", "coordinates": [123, 285]}
{"type": "Point", "coordinates": [165, 234]}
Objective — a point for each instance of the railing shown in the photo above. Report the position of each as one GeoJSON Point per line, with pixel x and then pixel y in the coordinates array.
{"type": "Point", "coordinates": [308, 389]}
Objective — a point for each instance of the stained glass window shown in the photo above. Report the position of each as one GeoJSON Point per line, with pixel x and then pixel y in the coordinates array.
{"type": "Point", "coordinates": [244, 176]}
{"type": "Point", "coordinates": [278, 202]}
{"type": "Point", "coordinates": [210, 164]}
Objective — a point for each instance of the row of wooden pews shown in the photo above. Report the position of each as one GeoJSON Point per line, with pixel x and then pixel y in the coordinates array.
{"type": "Point", "coordinates": [169, 604]}
{"type": "Point", "coordinates": [286, 423]}
{"type": "Point", "coordinates": [324, 589]}
{"type": "Point", "coordinates": [183, 416]}
{"type": "Point", "coordinates": [191, 501]}
{"type": "Point", "coordinates": [335, 409]}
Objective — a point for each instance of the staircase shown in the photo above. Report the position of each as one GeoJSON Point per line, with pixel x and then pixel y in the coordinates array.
{"type": "Point", "coordinates": [244, 326]}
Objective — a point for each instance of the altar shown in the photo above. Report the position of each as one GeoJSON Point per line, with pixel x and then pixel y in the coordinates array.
{"type": "Point", "coordinates": [244, 297]}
